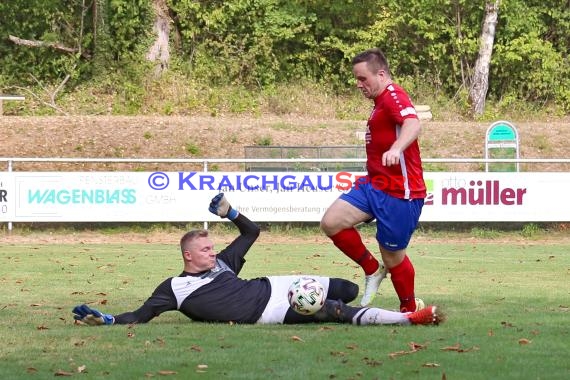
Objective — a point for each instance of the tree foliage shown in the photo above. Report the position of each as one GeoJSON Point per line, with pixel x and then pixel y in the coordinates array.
{"type": "Point", "coordinates": [260, 43]}
{"type": "Point", "coordinates": [102, 32]}
{"type": "Point", "coordinates": [50, 21]}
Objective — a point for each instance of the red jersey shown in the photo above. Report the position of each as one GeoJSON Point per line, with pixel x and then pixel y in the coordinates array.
{"type": "Point", "coordinates": [391, 108]}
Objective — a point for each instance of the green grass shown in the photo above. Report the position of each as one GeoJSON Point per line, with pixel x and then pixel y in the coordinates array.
{"type": "Point", "coordinates": [496, 296]}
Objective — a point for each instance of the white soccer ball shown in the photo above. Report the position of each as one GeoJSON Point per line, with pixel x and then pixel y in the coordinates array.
{"type": "Point", "coordinates": [306, 295]}
{"type": "Point", "coordinates": [420, 304]}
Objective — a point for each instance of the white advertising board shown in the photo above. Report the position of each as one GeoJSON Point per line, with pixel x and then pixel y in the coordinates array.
{"type": "Point", "coordinates": [266, 196]}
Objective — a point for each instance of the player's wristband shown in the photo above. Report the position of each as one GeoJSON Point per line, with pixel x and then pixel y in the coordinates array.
{"type": "Point", "coordinates": [232, 213]}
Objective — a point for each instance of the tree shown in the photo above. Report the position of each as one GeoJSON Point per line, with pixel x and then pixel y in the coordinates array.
{"type": "Point", "coordinates": [159, 51]}
{"type": "Point", "coordinates": [480, 82]}
{"type": "Point", "coordinates": [59, 37]}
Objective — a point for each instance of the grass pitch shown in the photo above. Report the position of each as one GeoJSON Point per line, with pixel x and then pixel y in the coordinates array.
{"type": "Point", "coordinates": [507, 306]}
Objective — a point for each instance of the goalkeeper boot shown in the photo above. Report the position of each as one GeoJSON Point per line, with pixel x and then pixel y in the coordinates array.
{"type": "Point", "coordinates": [371, 285]}
{"type": "Point", "coordinates": [427, 316]}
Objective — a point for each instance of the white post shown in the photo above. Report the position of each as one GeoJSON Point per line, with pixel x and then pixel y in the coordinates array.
{"type": "Point", "coordinates": [9, 170]}
{"type": "Point", "coordinates": [205, 170]}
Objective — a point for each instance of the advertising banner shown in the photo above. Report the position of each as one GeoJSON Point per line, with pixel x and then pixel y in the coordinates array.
{"type": "Point", "coordinates": [267, 196]}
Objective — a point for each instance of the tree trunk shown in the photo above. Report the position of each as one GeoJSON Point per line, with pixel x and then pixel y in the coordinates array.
{"type": "Point", "coordinates": [159, 51]}
{"type": "Point", "coordinates": [480, 83]}
{"type": "Point", "coordinates": [94, 23]}
{"type": "Point", "coordinates": [464, 63]}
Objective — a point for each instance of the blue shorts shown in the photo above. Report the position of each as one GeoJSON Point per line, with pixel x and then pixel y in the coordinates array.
{"type": "Point", "coordinates": [396, 219]}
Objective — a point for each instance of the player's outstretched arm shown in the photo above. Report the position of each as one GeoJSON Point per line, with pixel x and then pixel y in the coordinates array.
{"type": "Point", "coordinates": [221, 207]}
{"type": "Point", "coordinates": [249, 231]}
{"type": "Point", "coordinates": [161, 300]}
{"type": "Point", "coordinates": [234, 253]}
{"type": "Point", "coordinates": [91, 317]}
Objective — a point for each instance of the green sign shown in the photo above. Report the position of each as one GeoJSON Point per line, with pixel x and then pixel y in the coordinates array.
{"type": "Point", "coordinates": [502, 132]}
{"type": "Point", "coordinates": [429, 185]}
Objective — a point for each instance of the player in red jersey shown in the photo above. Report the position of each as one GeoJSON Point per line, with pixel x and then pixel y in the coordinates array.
{"type": "Point", "coordinates": [393, 192]}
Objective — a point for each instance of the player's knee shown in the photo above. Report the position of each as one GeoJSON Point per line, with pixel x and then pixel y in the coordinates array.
{"type": "Point", "coordinates": [327, 226]}
{"type": "Point", "coordinates": [331, 224]}
{"type": "Point", "coordinates": [342, 289]}
{"type": "Point", "coordinates": [351, 292]}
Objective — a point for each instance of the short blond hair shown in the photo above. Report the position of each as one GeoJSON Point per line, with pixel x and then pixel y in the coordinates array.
{"type": "Point", "coordinates": [189, 237]}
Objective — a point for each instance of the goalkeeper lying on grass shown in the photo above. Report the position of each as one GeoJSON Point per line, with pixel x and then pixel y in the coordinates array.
{"type": "Point", "coordinates": [209, 289]}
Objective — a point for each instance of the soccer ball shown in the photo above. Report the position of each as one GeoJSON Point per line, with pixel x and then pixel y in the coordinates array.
{"type": "Point", "coordinates": [420, 304]}
{"type": "Point", "coordinates": [306, 295]}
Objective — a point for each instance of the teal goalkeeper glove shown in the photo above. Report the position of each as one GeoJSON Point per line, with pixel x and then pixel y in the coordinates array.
{"type": "Point", "coordinates": [221, 207]}
{"type": "Point", "coordinates": [92, 317]}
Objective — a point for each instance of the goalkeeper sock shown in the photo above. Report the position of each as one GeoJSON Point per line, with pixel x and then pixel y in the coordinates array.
{"type": "Point", "coordinates": [350, 243]}
{"type": "Point", "coordinates": [402, 276]}
{"type": "Point", "coordinates": [376, 316]}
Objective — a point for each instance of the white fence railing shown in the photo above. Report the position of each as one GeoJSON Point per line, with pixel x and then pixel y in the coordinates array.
{"type": "Point", "coordinates": [206, 161]}
{"type": "Point", "coordinates": [562, 164]}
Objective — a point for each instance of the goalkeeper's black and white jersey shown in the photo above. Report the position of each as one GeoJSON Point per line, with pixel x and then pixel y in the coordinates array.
{"type": "Point", "coordinates": [217, 295]}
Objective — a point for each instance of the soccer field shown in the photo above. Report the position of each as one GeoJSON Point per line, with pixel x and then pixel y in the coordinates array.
{"type": "Point", "coordinates": [507, 305]}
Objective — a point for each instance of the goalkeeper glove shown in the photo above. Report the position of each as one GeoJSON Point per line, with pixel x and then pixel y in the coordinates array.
{"type": "Point", "coordinates": [92, 317]}
{"type": "Point", "coordinates": [221, 207]}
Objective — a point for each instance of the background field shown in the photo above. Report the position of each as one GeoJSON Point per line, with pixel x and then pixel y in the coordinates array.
{"type": "Point", "coordinates": [507, 300]}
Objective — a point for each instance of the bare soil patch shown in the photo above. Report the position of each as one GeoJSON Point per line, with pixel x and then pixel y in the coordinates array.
{"type": "Point", "coordinates": [226, 137]}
